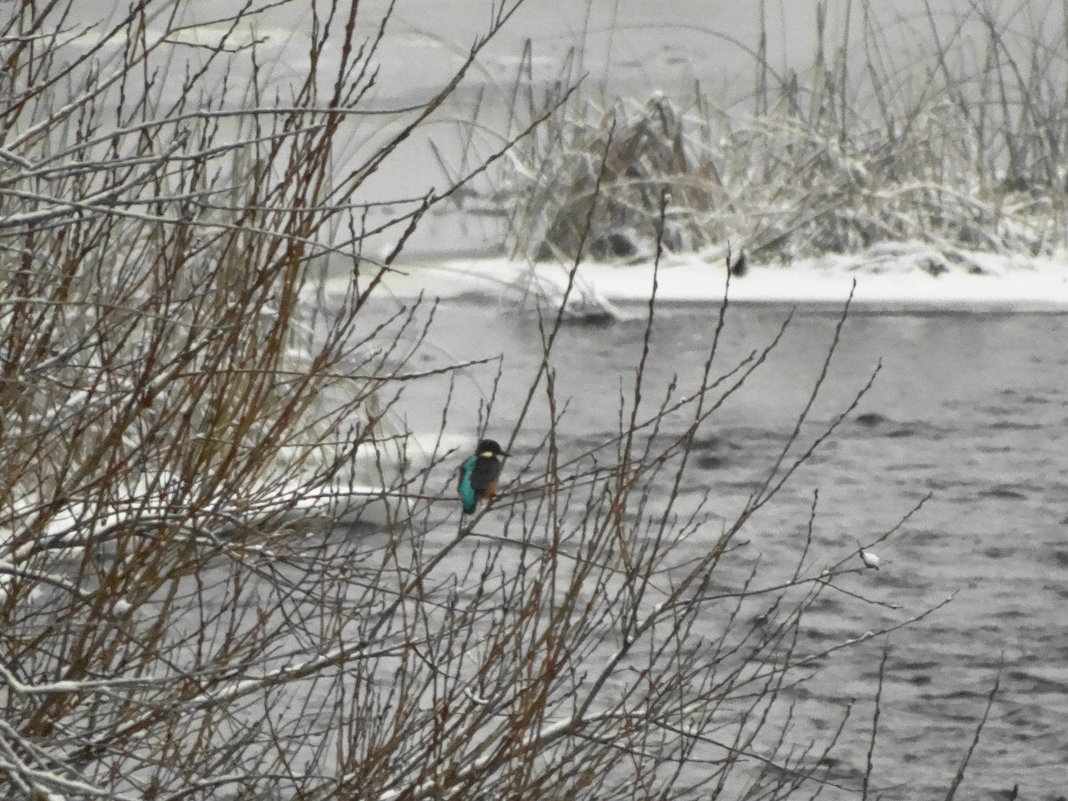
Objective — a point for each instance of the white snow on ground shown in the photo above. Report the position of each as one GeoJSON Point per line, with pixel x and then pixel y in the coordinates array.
{"type": "Point", "coordinates": [351, 497]}
{"type": "Point", "coordinates": [907, 275]}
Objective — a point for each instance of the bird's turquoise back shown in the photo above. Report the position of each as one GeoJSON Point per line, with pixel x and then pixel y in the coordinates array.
{"type": "Point", "coordinates": [468, 494]}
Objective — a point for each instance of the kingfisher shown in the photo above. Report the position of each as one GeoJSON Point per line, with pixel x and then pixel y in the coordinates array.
{"type": "Point", "coordinates": [479, 474]}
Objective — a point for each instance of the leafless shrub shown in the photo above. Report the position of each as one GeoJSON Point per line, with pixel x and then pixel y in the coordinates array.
{"type": "Point", "coordinates": [191, 412]}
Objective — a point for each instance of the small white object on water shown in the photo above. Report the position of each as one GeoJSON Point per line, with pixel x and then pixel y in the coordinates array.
{"type": "Point", "coordinates": [122, 607]}
{"type": "Point", "coordinates": [869, 559]}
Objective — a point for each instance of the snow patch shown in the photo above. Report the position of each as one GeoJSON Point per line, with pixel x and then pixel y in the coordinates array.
{"type": "Point", "coordinates": [894, 275]}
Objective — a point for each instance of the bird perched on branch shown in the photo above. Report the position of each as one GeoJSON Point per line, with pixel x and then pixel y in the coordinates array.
{"type": "Point", "coordinates": [479, 474]}
{"type": "Point", "coordinates": [869, 559]}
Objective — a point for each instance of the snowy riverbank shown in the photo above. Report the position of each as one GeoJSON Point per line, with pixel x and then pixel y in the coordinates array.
{"type": "Point", "coordinates": [898, 276]}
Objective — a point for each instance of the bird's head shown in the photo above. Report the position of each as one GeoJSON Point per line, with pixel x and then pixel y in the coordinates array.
{"type": "Point", "coordinates": [489, 449]}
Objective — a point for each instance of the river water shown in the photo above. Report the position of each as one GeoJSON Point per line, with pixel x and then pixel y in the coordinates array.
{"type": "Point", "coordinates": [969, 408]}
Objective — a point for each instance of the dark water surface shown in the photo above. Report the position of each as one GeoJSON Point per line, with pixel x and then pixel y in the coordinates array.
{"type": "Point", "coordinates": [970, 408]}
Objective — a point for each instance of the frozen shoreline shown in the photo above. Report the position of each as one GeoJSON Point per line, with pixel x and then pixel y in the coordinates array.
{"type": "Point", "coordinates": [899, 277]}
